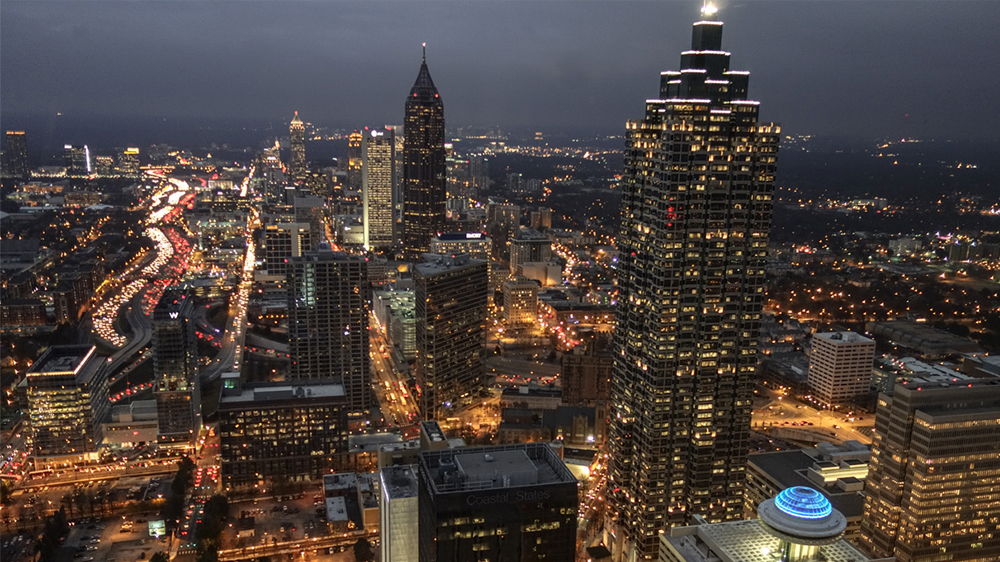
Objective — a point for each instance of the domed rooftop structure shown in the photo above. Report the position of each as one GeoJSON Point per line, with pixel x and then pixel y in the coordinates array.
{"type": "Point", "coordinates": [803, 516]}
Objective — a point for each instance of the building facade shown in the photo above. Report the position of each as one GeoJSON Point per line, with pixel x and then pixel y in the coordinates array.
{"type": "Point", "coordinates": [175, 369]}
{"type": "Point", "coordinates": [476, 244]}
{"type": "Point", "coordinates": [283, 241]}
{"type": "Point", "coordinates": [15, 155]}
{"type": "Point", "coordinates": [271, 432]}
{"type": "Point", "coordinates": [67, 396]}
{"type": "Point", "coordinates": [450, 297]}
{"type": "Point", "coordinates": [931, 492]}
{"type": "Point", "coordinates": [505, 503]}
{"type": "Point", "coordinates": [840, 367]}
{"type": "Point", "coordinates": [423, 165]}
{"type": "Point", "coordinates": [520, 302]}
{"type": "Point", "coordinates": [529, 246]}
{"type": "Point", "coordinates": [328, 296]}
{"type": "Point", "coordinates": [696, 209]}
{"type": "Point", "coordinates": [398, 513]}
{"type": "Point", "coordinates": [378, 180]}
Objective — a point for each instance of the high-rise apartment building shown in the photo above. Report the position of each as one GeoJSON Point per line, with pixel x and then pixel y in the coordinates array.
{"type": "Point", "coordinates": [67, 393]}
{"type": "Point", "coordinates": [297, 142]}
{"type": "Point", "coordinates": [175, 369]}
{"type": "Point", "coordinates": [450, 295]}
{"type": "Point", "coordinates": [15, 155]}
{"type": "Point", "coordinates": [503, 503]}
{"type": "Point", "coordinates": [840, 367]}
{"type": "Point", "coordinates": [502, 222]}
{"type": "Point", "coordinates": [378, 179]}
{"type": "Point", "coordinates": [423, 165]}
{"type": "Point", "coordinates": [696, 212]}
{"type": "Point", "coordinates": [328, 321]}
{"type": "Point", "coordinates": [934, 475]}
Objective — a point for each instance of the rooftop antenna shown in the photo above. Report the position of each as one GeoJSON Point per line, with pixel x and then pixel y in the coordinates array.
{"type": "Point", "coordinates": [425, 52]}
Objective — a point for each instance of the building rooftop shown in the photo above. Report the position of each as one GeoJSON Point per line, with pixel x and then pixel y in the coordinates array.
{"type": "Point", "coordinates": [791, 468]}
{"type": "Point", "coordinates": [743, 541]}
{"type": "Point", "coordinates": [80, 361]}
{"type": "Point", "coordinates": [843, 337]}
{"type": "Point", "coordinates": [439, 263]}
{"type": "Point", "coordinates": [493, 467]}
{"type": "Point", "coordinates": [399, 481]}
{"type": "Point", "coordinates": [461, 237]}
{"type": "Point", "coordinates": [269, 392]}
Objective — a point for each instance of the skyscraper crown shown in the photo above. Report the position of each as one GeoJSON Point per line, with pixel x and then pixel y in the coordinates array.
{"type": "Point", "coordinates": [424, 89]}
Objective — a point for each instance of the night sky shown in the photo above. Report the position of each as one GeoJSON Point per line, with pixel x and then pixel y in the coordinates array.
{"type": "Point", "coordinates": [858, 69]}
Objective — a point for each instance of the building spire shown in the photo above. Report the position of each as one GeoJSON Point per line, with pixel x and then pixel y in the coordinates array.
{"type": "Point", "coordinates": [425, 52]}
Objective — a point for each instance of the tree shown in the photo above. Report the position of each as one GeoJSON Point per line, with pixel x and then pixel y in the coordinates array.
{"type": "Point", "coordinates": [363, 551]}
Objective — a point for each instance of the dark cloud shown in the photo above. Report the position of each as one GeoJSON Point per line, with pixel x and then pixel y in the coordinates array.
{"type": "Point", "coordinates": [845, 68]}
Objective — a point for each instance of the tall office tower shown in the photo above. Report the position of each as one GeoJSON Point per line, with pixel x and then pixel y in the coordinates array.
{"type": "Point", "coordinates": [354, 160]}
{"type": "Point", "coordinates": [128, 162]}
{"type": "Point", "coordinates": [283, 241]}
{"type": "Point", "coordinates": [175, 368]}
{"type": "Point", "coordinates": [297, 141]}
{"type": "Point", "coordinates": [76, 159]}
{"type": "Point", "coordinates": [328, 321]}
{"type": "Point", "coordinates": [450, 294]}
{"type": "Point", "coordinates": [16, 155]}
{"type": "Point", "coordinates": [931, 492]}
{"type": "Point", "coordinates": [696, 212]}
{"type": "Point", "coordinates": [840, 367]}
{"type": "Point", "coordinates": [398, 513]}
{"type": "Point", "coordinates": [397, 190]}
{"type": "Point", "coordinates": [502, 503]}
{"type": "Point", "coordinates": [423, 165]}
{"type": "Point", "coordinates": [378, 179]}
{"type": "Point", "coordinates": [529, 246]}
{"type": "Point", "coordinates": [67, 392]}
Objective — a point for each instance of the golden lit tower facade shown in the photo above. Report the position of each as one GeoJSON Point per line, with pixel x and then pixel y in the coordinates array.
{"type": "Point", "coordinates": [378, 180]}
{"type": "Point", "coordinates": [933, 489]}
{"type": "Point", "coordinates": [354, 161]}
{"type": "Point", "coordinates": [423, 165]}
{"type": "Point", "coordinates": [297, 140]}
{"type": "Point", "coordinates": [696, 214]}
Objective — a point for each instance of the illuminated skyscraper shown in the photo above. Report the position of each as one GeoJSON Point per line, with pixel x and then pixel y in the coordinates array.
{"type": "Point", "coordinates": [128, 162]}
{"type": "Point", "coordinates": [378, 176]}
{"type": "Point", "coordinates": [354, 160]}
{"type": "Point", "coordinates": [696, 212]}
{"type": "Point", "coordinates": [328, 321]}
{"type": "Point", "coordinates": [297, 140]}
{"type": "Point", "coordinates": [76, 159]}
{"type": "Point", "coordinates": [175, 369]}
{"type": "Point", "coordinates": [423, 165]}
{"type": "Point", "coordinates": [16, 155]}
{"type": "Point", "coordinates": [934, 476]}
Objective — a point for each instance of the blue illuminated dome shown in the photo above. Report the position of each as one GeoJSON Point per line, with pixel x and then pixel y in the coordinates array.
{"type": "Point", "coordinates": [800, 501]}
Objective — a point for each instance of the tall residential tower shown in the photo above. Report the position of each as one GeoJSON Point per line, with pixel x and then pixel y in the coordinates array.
{"type": "Point", "coordinates": [423, 165]}
{"type": "Point", "coordinates": [696, 213]}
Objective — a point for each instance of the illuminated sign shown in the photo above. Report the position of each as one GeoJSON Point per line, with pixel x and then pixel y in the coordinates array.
{"type": "Point", "coordinates": [473, 235]}
{"type": "Point", "coordinates": [157, 528]}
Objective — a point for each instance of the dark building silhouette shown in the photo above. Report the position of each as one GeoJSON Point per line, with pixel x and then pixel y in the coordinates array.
{"type": "Point", "coordinates": [15, 156]}
{"type": "Point", "coordinates": [297, 139]}
{"type": "Point", "coordinates": [175, 368]}
{"type": "Point", "coordinates": [696, 210]}
{"type": "Point", "coordinates": [423, 165]}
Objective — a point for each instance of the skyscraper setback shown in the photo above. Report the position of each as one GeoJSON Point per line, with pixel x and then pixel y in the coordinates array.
{"type": "Point", "coordinates": [696, 209]}
{"type": "Point", "coordinates": [423, 165]}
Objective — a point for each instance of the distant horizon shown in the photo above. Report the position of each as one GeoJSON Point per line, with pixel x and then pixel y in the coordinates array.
{"type": "Point", "coordinates": [885, 69]}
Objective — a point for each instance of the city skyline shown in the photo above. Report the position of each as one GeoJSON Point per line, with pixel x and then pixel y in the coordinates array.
{"type": "Point", "coordinates": [539, 65]}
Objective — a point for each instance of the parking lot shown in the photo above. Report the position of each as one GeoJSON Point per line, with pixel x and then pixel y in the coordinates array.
{"type": "Point", "coordinates": [276, 520]}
